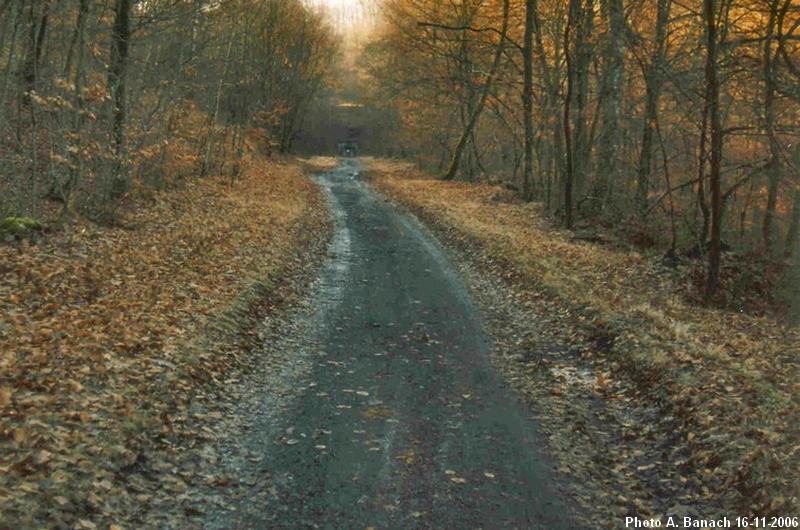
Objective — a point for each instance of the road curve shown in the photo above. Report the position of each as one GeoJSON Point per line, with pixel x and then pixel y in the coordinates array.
{"type": "Point", "coordinates": [402, 423]}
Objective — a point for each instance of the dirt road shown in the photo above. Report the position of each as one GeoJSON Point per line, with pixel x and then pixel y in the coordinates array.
{"type": "Point", "coordinates": [401, 423]}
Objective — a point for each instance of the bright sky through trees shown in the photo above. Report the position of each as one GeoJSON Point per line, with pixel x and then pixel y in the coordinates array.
{"type": "Point", "coordinates": [344, 13]}
{"type": "Point", "coordinates": [339, 4]}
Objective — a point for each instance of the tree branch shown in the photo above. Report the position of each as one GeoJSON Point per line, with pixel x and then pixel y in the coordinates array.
{"type": "Point", "coordinates": [472, 29]}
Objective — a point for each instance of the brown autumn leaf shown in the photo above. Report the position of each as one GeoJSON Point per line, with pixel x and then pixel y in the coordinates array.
{"type": "Point", "coordinates": [5, 396]}
{"type": "Point", "coordinates": [42, 457]}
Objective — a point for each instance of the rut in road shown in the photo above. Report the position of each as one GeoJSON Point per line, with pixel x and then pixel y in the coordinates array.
{"type": "Point", "coordinates": [402, 422]}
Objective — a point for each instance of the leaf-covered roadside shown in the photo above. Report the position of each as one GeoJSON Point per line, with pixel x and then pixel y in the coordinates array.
{"type": "Point", "coordinates": [728, 383]}
{"type": "Point", "coordinates": [103, 333]}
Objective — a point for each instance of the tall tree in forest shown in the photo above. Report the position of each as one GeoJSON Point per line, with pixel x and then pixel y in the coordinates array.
{"type": "Point", "coordinates": [64, 189]}
{"type": "Point", "coordinates": [582, 58]}
{"type": "Point", "coordinates": [792, 250]}
{"type": "Point", "coordinates": [552, 159]}
{"type": "Point", "coordinates": [577, 57]}
{"type": "Point", "coordinates": [775, 165]}
{"type": "Point", "coordinates": [569, 176]}
{"type": "Point", "coordinates": [715, 164]}
{"type": "Point", "coordinates": [117, 84]}
{"type": "Point", "coordinates": [611, 97]}
{"type": "Point", "coordinates": [653, 78]}
{"type": "Point", "coordinates": [793, 231]}
{"type": "Point", "coordinates": [38, 30]}
{"type": "Point", "coordinates": [472, 121]}
{"type": "Point", "coordinates": [527, 98]}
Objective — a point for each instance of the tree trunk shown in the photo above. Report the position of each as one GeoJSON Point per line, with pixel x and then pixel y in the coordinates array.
{"type": "Point", "coordinates": [118, 68]}
{"type": "Point", "coordinates": [568, 177]}
{"type": "Point", "coordinates": [613, 73]}
{"type": "Point", "coordinates": [16, 17]}
{"type": "Point", "coordinates": [212, 123]}
{"type": "Point", "coordinates": [582, 149]}
{"type": "Point", "coordinates": [76, 168]}
{"type": "Point", "coordinates": [712, 95]}
{"type": "Point", "coordinates": [476, 112]}
{"type": "Point", "coordinates": [555, 129]}
{"type": "Point", "coordinates": [793, 233]}
{"type": "Point", "coordinates": [774, 166]}
{"type": "Point", "coordinates": [702, 203]}
{"type": "Point", "coordinates": [527, 99]}
{"type": "Point", "coordinates": [38, 31]}
{"type": "Point", "coordinates": [653, 80]}
{"type": "Point", "coordinates": [794, 226]}
{"type": "Point", "coordinates": [795, 267]}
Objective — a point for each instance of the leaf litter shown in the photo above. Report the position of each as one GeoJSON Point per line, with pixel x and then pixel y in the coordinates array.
{"type": "Point", "coordinates": [123, 346]}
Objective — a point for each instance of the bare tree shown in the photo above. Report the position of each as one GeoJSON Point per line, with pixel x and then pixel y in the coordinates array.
{"type": "Point", "coordinates": [484, 94]}
{"type": "Point", "coordinates": [117, 84]}
{"type": "Point", "coordinates": [611, 98]}
{"type": "Point", "coordinates": [712, 96]}
{"type": "Point", "coordinates": [527, 98]}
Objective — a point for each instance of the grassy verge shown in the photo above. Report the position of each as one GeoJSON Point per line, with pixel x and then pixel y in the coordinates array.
{"type": "Point", "coordinates": [111, 335]}
{"type": "Point", "coordinates": [730, 379]}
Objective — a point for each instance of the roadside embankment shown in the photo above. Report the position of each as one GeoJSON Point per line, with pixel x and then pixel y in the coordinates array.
{"type": "Point", "coordinates": [113, 337]}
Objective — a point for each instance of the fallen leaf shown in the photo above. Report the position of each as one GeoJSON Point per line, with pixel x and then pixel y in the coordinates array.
{"type": "Point", "coordinates": [5, 396]}
{"type": "Point", "coordinates": [42, 457]}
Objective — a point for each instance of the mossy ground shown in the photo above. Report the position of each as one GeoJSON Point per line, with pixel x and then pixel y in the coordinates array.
{"type": "Point", "coordinates": [19, 226]}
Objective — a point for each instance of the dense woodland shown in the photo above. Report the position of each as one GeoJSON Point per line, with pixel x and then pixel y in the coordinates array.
{"type": "Point", "coordinates": [673, 122]}
{"type": "Point", "coordinates": [99, 96]}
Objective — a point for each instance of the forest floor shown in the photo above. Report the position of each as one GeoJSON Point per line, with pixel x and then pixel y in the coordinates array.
{"type": "Point", "coordinates": [117, 340]}
{"type": "Point", "coordinates": [656, 406]}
